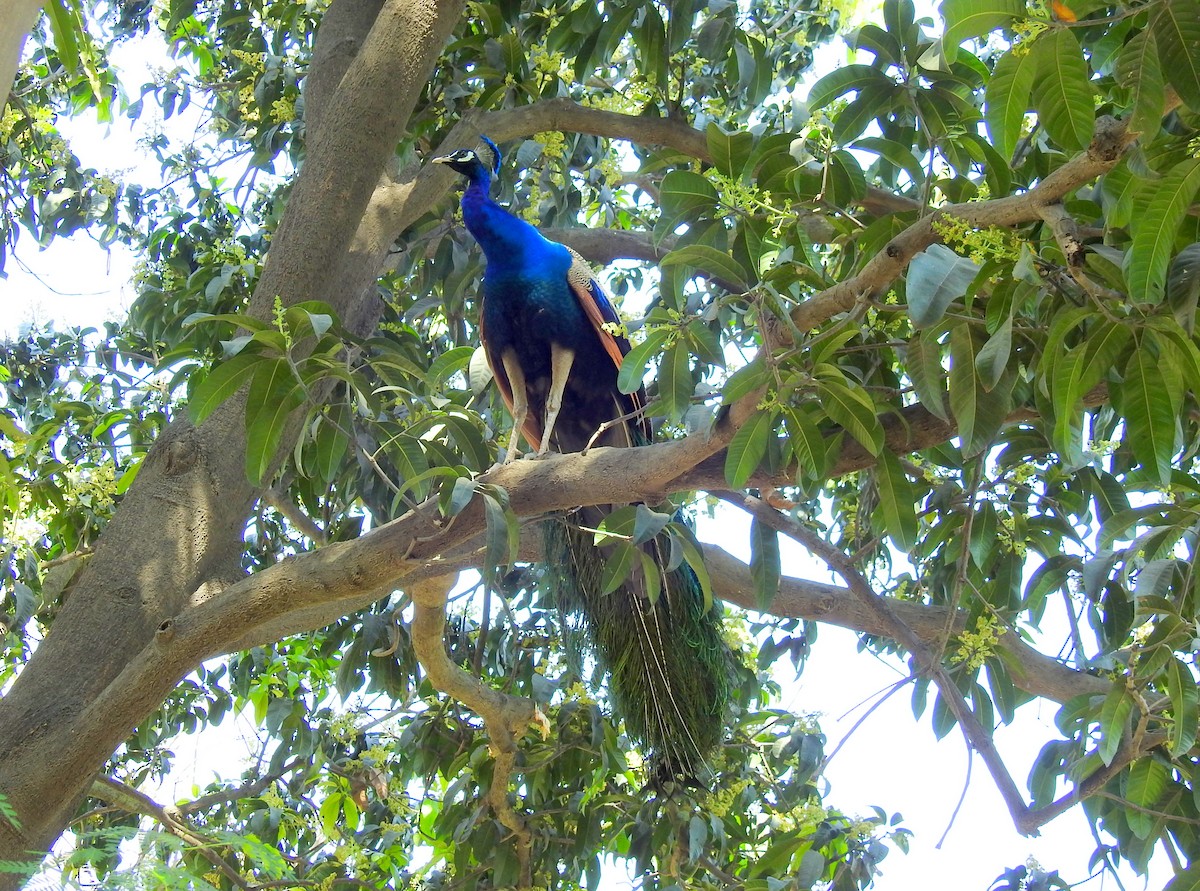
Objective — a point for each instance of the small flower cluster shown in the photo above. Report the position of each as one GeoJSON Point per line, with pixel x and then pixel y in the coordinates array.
{"type": "Point", "coordinates": [1006, 536]}
{"type": "Point", "coordinates": [979, 245]}
{"type": "Point", "coordinates": [976, 647]}
{"type": "Point", "coordinates": [95, 487]}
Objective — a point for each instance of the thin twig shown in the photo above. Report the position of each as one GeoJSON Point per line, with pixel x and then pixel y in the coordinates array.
{"type": "Point", "coordinates": [132, 800]}
{"type": "Point", "coordinates": [294, 515]}
{"type": "Point", "coordinates": [888, 693]}
{"type": "Point", "coordinates": [228, 796]}
{"type": "Point", "coordinates": [961, 798]}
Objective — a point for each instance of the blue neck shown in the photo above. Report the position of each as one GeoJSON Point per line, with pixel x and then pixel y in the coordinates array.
{"type": "Point", "coordinates": [508, 242]}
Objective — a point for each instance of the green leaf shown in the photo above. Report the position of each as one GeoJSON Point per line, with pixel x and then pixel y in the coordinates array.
{"type": "Point", "coordinates": [1183, 286]}
{"type": "Point", "coordinates": [1185, 715]}
{"type": "Point", "coordinates": [684, 197]}
{"type": "Point", "coordinates": [1064, 403]}
{"type": "Point", "coordinates": [748, 448]}
{"type": "Point", "coordinates": [675, 382]}
{"type": "Point", "coordinates": [1064, 323]}
{"type": "Point", "coordinates": [1139, 72]}
{"type": "Point", "coordinates": [993, 356]}
{"type": "Point", "coordinates": [857, 116]}
{"type": "Point", "coordinates": [274, 393]}
{"type": "Point", "coordinates": [1108, 495]}
{"type": "Point", "coordinates": [683, 536]}
{"type": "Point", "coordinates": [479, 372]}
{"type": "Point", "coordinates": [979, 412]}
{"type": "Point", "coordinates": [712, 263]}
{"type": "Point", "coordinates": [652, 575]}
{"type": "Point", "coordinates": [461, 491]}
{"type": "Point", "coordinates": [633, 366]}
{"type": "Point", "coordinates": [411, 464]}
{"type": "Point", "coordinates": [996, 169]}
{"type": "Point", "coordinates": [221, 382]}
{"type": "Point", "coordinates": [897, 501]}
{"type": "Point", "coordinates": [1149, 402]}
{"type": "Point", "coordinates": [1169, 336]}
{"type": "Point", "coordinates": [936, 277]}
{"type": "Point", "coordinates": [924, 367]}
{"type": "Point", "coordinates": [309, 317]}
{"type": "Point", "coordinates": [1155, 231]}
{"type": "Point", "coordinates": [844, 80]}
{"type": "Point", "coordinates": [984, 527]}
{"type": "Point", "coordinates": [730, 151]}
{"type": "Point", "coordinates": [449, 363]}
{"type": "Point", "coordinates": [1114, 718]}
{"type": "Point", "coordinates": [847, 183]}
{"type": "Point", "coordinates": [808, 445]}
{"type": "Point", "coordinates": [1062, 94]}
{"type": "Point", "coordinates": [894, 153]}
{"type": "Point", "coordinates": [810, 868]}
{"type": "Point", "coordinates": [67, 32]}
{"type": "Point", "coordinates": [745, 380]}
{"type": "Point", "coordinates": [332, 441]}
{"type": "Point", "coordinates": [617, 525]}
{"type": "Point", "coordinates": [975, 18]}
{"type": "Point", "coordinates": [874, 39]}
{"type": "Point", "coordinates": [503, 532]}
{"type": "Point", "coordinates": [1119, 186]}
{"type": "Point", "coordinates": [1101, 349]}
{"type": "Point", "coordinates": [238, 319]}
{"type": "Point", "coordinates": [1188, 880]}
{"type": "Point", "coordinates": [764, 562]}
{"type": "Point", "coordinates": [1176, 27]}
{"type": "Point", "coordinates": [468, 438]}
{"type": "Point", "coordinates": [850, 407]}
{"type": "Point", "coordinates": [647, 524]}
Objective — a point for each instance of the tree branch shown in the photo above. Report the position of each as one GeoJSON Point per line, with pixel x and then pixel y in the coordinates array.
{"type": "Point", "coordinates": [248, 789]}
{"type": "Point", "coordinates": [291, 512]}
{"type": "Point", "coordinates": [134, 801]}
{"type": "Point", "coordinates": [1107, 147]}
{"type": "Point", "coordinates": [1031, 671]}
{"type": "Point", "coordinates": [505, 717]}
{"type": "Point", "coordinates": [16, 20]}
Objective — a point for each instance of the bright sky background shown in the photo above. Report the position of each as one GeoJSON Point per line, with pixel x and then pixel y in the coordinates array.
{"type": "Point", "coordinates": [890, 761]}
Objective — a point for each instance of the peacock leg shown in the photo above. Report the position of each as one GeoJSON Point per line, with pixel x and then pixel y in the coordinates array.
{"type": "Point", "coordinates": [561, 359]}
{"type": "Point", "coordinates": [520, 402]}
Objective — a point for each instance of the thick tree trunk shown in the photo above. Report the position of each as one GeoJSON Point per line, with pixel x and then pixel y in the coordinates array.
{"type": "Point", "coordinates": [177, 538]}
{"type": "Point", "coordinates": [16, 19]}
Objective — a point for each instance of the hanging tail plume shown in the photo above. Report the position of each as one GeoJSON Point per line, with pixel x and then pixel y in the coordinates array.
{"type": "Point", "coordinates": [671, 673]}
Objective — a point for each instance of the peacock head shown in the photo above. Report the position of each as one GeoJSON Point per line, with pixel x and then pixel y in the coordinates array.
{"type": "Point", "coordinates": [481, 162]}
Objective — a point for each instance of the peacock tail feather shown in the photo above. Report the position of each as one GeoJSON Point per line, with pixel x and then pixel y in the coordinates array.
{"type": "Point", "coordinates": [671, 672]}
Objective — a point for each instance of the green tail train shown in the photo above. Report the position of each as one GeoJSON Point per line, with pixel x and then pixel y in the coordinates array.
{"type": "Point", "coordinates": [671, 672]}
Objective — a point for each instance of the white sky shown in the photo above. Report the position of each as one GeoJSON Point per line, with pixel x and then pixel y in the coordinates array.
{"type": "Point", "coordinates": [891, 761]}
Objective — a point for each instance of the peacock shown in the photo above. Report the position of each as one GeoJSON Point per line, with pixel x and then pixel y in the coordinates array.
{"type": "Point", "coordinates": [554, 344]}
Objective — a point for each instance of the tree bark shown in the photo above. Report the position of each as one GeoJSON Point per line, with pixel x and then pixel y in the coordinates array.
{"type": "Point", "coordinates": [16, 20]}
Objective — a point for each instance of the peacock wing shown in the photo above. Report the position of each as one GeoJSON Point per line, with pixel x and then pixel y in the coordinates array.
{"type": "Point", "coordinates": [607, 325]}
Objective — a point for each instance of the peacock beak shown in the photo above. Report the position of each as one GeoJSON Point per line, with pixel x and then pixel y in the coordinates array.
{"type": "Point", "coordinates": [444, 159]}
